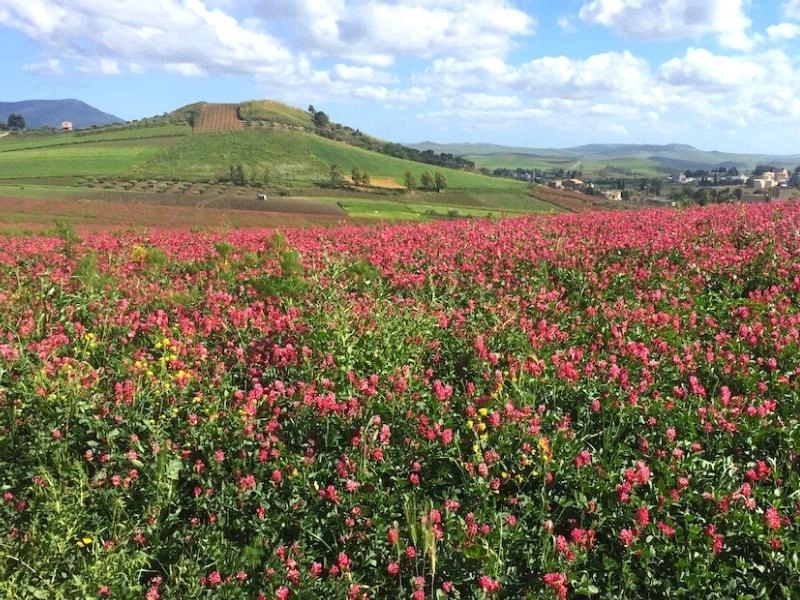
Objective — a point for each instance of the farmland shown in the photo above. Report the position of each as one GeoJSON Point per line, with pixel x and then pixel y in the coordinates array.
{"type": "Point", "coordinates": [218, 117]}
{"type": "Point", "coordinates": [70, 155]}
{"type": "Point", "coordinates": [165, 162]}
{"type": "Point", "coordinates": [568, 406]}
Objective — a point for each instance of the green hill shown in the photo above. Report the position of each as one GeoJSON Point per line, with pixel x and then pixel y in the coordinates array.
{"type": "Point", "coordinates": [598, 159]}
{"type": "Point", "coordinates": [119, 160]}
{"type": "Point", "coordinates": [294, 157]}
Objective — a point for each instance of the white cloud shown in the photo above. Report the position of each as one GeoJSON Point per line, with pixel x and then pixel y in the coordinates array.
{"type": "Point", "coordinates": [783, 31]}
{"type": "Point", "coordinates": [480, 74]}
{"type": "Point", "coordinates": [178, 36]}
{"type": "Point", "coordinates": [361, 74]}
{"type": "Point", "coordinates": [382, 30]}
{"type": "Point", "coordinates": [51, 66]}
{"type": "Point", "coordinates": [102, 66]}
{"type": "Point", "coordinates": [563, 77]}
{"type": "Point", "coordinates": [672, 19]}
{"type": "Point", "coordinates": [480, 101]}
{"type": "Point", "coordinates": [566, 24]}
{"type": "Point", "coordinates": [701, 69]}
{"type": "Point", "coordinates": [384, 94]}
{"type": "Point", "coordinates": [791, 10]}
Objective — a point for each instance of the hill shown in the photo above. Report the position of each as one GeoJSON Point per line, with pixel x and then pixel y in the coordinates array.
{"type": "Point", "coordinates": [609, 159]}
{"type": "Point", "coordinates": [177, 159]}
{"type": "Point", "coordinates": [51, 113]}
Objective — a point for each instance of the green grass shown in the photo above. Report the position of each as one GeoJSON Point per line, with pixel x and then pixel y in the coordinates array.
{"type": "Point", "coordinates": [295, 158]}
{"type": "Point", "coordinates": [275, 112]}
{"type": "Point", "coordinates": [40, 191]}
{"type": "Point", "coordinates": [104, 153]}
{"type": "Point", "coordinates": [144, 135]}
{"type": "Point", "coordinates": [424, 206]}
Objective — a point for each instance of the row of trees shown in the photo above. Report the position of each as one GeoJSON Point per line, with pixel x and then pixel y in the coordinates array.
{"type": "Point", "coordinates": [356, 176]}
{"type": "Point", "coordinates": [436, 182]}
{"type": "Point", "coordinates": [335, 131]}
{"type": "Point", "coordinates": [257, 177]}
{"type": "Point", "coordinates": [702, 196]}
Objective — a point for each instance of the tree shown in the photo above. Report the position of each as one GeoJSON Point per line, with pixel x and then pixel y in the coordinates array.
{"type": "Point", "coordinates": [262, 179]}
{"type": "Point", "coordinates": [703, 196]}
{"type": "Point", "coordinates": [336, 175]}
{"type": "Point", "coordinates": [365, 180]}
{"type": "Point", "coordinates": [761, 169]}
{"type": "Point", "coordinates": [236, 175]}
{"type": "Point", "coordinates": [321, 120]}
{"type": "Point", "coordinates": [426, 181]}
{"type": "Point", "coordinates": [16, 121]}
{"type": "Point", "coordinates": [410, 181]}
{"type": "Point", "coordinates": [439, 182]}
{"type": "Point", "coordinates": [655, 186]}
{"type": "Point", "coordinates": [355, 175]}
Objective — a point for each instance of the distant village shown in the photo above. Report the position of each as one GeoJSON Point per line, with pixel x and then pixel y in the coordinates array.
{"type": "Point", "coordinates": [702, 186]}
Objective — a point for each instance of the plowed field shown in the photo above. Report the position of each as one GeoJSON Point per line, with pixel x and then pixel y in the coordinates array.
{"type": "Point", "coordinates": [218, 117]}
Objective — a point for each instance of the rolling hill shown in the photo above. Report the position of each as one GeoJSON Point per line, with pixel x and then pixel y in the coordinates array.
{"type": "Point", "coordinates": [51, 113]}
{"type": "Point", "coordinates": [610, 159]}
{"type": "Point", "coordinates": [188, 158]}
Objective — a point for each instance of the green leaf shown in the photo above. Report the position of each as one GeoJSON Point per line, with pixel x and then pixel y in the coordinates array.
{"type": "Point", "coordinates": [174, 469]}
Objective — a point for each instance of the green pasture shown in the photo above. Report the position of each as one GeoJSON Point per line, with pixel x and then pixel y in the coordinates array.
{"type": "Point", "coordinates": [43, 192]}
{"type": "Point", "coordinates": [421, 207]}
{"type": "Point", "coordinates": [83, 154]}
{"type": "Point", "coordinates": [156, 136]}
{"type": "Point", "coordinates": [294, 157]}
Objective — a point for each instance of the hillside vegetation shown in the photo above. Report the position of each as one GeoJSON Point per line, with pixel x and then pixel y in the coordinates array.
{"type": "Point", "coordinates": [283, 151]}
{"type": "Point", "coordinates": [294, 157]}
{"type": "Point", "coordinates": [274, 112]}
{"type": "Point", "coordinates": [80, 154]}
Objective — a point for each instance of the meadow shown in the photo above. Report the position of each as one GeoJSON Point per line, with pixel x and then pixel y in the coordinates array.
{"type": "Point", "coordinates": [569, 406]}
{"type": "Point", "coordinates": [89, 153]}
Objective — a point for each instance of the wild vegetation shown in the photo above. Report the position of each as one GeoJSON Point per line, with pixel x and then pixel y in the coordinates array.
{"type": "Point", "coordinates": [541, 407]}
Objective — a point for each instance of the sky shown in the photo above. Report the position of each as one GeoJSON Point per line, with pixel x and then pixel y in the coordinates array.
{"type": "Point", "coordinates": [716, 74]}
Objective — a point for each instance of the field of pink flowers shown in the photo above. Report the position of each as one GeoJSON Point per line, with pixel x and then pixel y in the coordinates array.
{"type": "Point", "coordinates": [603, 405]}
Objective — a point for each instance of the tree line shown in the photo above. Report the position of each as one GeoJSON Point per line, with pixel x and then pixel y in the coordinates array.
{"type": "Point", "coordinates": [323, 126]}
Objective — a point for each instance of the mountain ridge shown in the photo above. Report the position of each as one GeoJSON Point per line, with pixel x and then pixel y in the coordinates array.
{"type": "Point", "coordinates": [51, 113]}
{"type": "Point", "coordinates": [651, 158]}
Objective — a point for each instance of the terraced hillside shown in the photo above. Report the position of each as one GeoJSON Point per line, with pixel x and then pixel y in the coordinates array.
{"type": "Point", "coordinates": [216, 118]}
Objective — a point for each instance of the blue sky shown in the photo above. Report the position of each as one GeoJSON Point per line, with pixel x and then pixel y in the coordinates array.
{"type": "Point", "coordinates": [717, 74]}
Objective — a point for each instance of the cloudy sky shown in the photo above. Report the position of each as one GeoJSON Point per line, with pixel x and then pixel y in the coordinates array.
{"type": "Point", "coordinates": [718, 74]}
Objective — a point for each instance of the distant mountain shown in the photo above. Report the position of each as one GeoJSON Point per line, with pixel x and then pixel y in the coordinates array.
{"type": "Point", "coordinates": [51, 113]}
{"type": "Point", "coordinates": [609, 159]}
